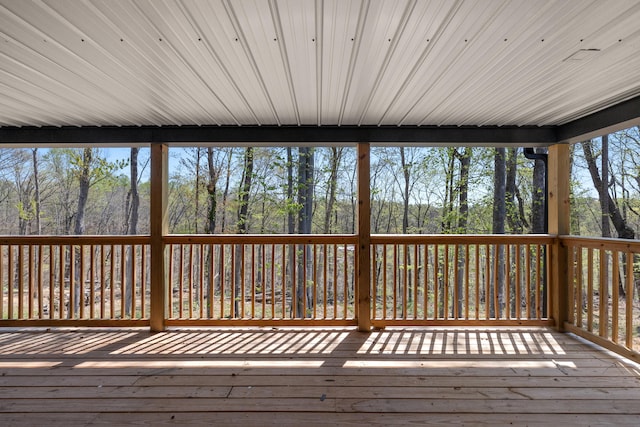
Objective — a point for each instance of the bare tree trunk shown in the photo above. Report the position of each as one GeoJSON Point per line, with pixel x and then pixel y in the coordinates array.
{"type": "Point", "coordinates": [36, 195]}
{"type": "Point", "coordinates": [334, 164]}
{"type": "Point", "coordinates": [243, 216]}
{"type": "Point", "coordinates": [291, 229]}
{"type": "Point", "coordinates": [463, 218]}
{"type": "Point", "coordinates": [619, 223]}
{"type": "Point", "coordinates": [197, 189]}
{"type": "Point", "coordinates": [406, 174]}
{"type": "Point", "coordinates": [84, 180]}
{"type": "Point", "coordinates": [214, 175]}
{"type": "Point", "coordinates": [499, 213]}
{"type": "Point", "coordinates": [132, 228]}
{"type": "Point", "coordinates": [538, 208]}
{"type": "Point", "coordinates": [225, 193]}
{"type": "Point", "coordinates": [447, 210]}
{"type": "Point", "coordinates": [305, 201]}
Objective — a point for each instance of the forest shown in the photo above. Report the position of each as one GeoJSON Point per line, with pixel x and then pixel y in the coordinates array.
{"type": "Point", "coordinates": [291, 190]}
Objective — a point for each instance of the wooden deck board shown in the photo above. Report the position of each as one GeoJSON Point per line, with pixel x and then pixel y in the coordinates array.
{"type": "Point", "coordinates": [531, 376]}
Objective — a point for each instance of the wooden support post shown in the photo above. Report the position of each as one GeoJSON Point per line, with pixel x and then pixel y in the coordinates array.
{"type": "Point", "coordinates": [158, 228]}
{"type": "Point", "coordinates": [363, 309]}
{"type": "Point", "coordinates": [559, 224]}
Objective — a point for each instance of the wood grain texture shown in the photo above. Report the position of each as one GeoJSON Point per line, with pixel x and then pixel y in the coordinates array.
{"type": "Point", "coordinates": [312, 376]}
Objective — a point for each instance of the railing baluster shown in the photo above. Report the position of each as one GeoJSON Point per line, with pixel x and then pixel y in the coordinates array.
{"type": "Point", "coordinates": [52, 270]}
{"type": "Point", "coordinates": [507, 283]}
{"type": "Point", "coordinates": [293, 255]}
{"type": "Point", "coordinates": [211, 282]}
{"type": "Point", "coordinates": [181, 283]}
{"type": "Point", "coordinates": [71, 310]}
{"type": "Point", "coordinates": [436, 262]}
{"type": "Point", "coordinates": [201, 269]}
{"type": "Point", "coordinates": [325, 281]}
{"type": "Point", "coordinates": [477, 281]}
{"type": "Point", "coordinates": [629, 300]}
{"type": "Point", "coordinates": [123, 281]}
{"type": "Point", "coordinates": [518, 289]}
{"type": "Point", "coordinates": [2, 254]}
{"type": "Point", "coordinates": [456, 278]}
{"type": "Point", "coordinates": [143, 282]}
{"type": "Point", "coordinates": [415, 271]}
{"type": "Point", "coordinates": [445, 296]}
{"type": "Point", "coordinates": [190, 281]}
{"type": "Point", "coordinates": [20, 276]}
{"type": "Point", "coordinates": [374, 282]}
{"type": "Point", "coordinates": [273, 282]}
{"type": "Point", "coordinates": [395, 281]}
{"type": "Point", "coordinates": [425, 282]}
{"type": "Point", "coordinates": [384, 281]}
{"type": "Point", "coordinates": [263, 258]}
{"type": "Point", "coordinates": [615, 298]}
{"type": "Point", "coordinates": [303, 281]}
{"type": "Point", "coordinates": [39, 280]}
{"type": "Point", "coordinates": [571, 295]}
{"type": "Point", "coordinates": [253, 281]}
{"type": "Point", "coordinates": [170, 302]}
{"type": "Point", "coordinates": [283, 282]}
{"type": "Point", "coordinates": [590, 290]}
{"type": "Point", "coordinates": [92, 292]}
{"type": "Point", "coordinates": [603, 288]}
{"type": "Point", "coordinates": [134, 282]}
{"type": "Point", "coordinates": [31, 283]}
{"type": "Point", "coordinates": [3, 249]}
{"type": "Point", "coordinates": [82, 282]}
{"type": "Point", "coordinates": [234, 280]}
{"type": "Point", "coordinates": [223, 300]}
{"type": "Point", "coordinates": [538, 281]}
{"type": "Point", "coordinates": [405, 281]}
{"type": "Point", "coordinates": [315, 281]}
{"type": "Point", "coordinates": [528, 280]}
{"type": "Point", "coordinates": [579, 287]}
{"type": "Point", "coordinates": [345, 293]}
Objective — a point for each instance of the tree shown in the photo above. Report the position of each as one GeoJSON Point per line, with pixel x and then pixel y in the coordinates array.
{"type": "Point", "coordinates": [241, 224]}
{"type": "Point", "coordinates": [499, 214]}
{"type": "Point", "coordinates": [36, 189]}
{"type": "Point", "coordinates": [463, 219]}
{"type": "Point", "coordinates": [131, 227]}
{"type": "Point", "coordinates": [306, 164]}
{"type": "Point", "coordinates": [608, 204]}
{"type": "Point", "coordinates": [332, 184]}
{"type": "Point", "coordinates": [89, 168]}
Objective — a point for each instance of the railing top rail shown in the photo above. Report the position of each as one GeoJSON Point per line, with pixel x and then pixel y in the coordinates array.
{"type": "Point", "coordinates": [311, 239]}
{"type": "Point", "coordinates": [261, 238]}
{"type": "Point", "coordinates": [623, 245]}
{"type": "Point", "coordinates": [463, 238]}
{"type": "Point", "coordinates": [75, 240]}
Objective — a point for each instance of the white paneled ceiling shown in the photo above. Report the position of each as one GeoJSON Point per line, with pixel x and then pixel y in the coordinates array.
{"type": "Point", "coordinates": [315, 62]}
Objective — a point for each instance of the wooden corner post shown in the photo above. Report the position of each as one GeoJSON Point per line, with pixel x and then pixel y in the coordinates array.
{"type": "Point", "coordinates": [559, 224]}
{"type": "Point", "coordinates": [363, 309]}
{"type": "Point", "coordinates": [158, 228]}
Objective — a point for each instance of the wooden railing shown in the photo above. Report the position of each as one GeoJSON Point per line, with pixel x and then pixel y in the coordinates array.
{"type": "Point", "coordinates": [459, 279]}
{"type": "Point", "coordinates": [253, 279]}
{"type": "Point", "coordinates": [604, 280]}
{"type": "Point", "coordinates": [276, 279]}
{"type": "Point", "coordinates": [73, 280]}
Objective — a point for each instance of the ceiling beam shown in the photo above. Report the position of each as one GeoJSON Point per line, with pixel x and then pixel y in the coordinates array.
{"type": "Point", "coordinates": [618, 117]}
{"type": "Point", "coordinates": [279, 135]}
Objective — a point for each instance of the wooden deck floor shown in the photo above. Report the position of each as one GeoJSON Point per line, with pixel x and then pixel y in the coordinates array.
{"type": "Point", "coordinates": [309, 377]}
